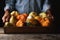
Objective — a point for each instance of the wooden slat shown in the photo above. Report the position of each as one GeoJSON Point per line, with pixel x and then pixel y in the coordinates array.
{"type": "Point", "coordinates": [19, 30]}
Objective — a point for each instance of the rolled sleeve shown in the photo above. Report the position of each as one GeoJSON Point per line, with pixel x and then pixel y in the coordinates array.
{"type": "Point", "coordinates": [9, 5]}
{"type": "Point", "coordinates": [46, 6]}
{"type": "Point", "coordinates": [6, 7]}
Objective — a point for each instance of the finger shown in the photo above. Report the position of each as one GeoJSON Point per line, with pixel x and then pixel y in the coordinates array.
{"type": "Point", "coordinates": [52, 17]}
{"type": "Point", "coordinates": [7, 18]}
{"type": "Point", "coordinates": [3, 19]}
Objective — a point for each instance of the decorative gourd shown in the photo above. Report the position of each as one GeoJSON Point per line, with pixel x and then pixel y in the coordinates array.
{"type": "Point", "coordinates": [31, 21]}
{"type": "Point", "coordinates": [46, 19]}
{"type": "Point", "coordinates": [33, 14]}
{"type": "Point", "coordinates": [19, 23]}
{"type": "Point", "coordinates": [43, 15]}
{"type": "Point", "coordinates": [14, 13]}
{"type": "Point", "coordinates": [7, 24]}
{"type": "Point", "coordinates": [12, 20]}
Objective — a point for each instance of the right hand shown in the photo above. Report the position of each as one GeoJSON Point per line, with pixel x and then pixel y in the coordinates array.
{"type": "Point", "coordinates": [6, 16]}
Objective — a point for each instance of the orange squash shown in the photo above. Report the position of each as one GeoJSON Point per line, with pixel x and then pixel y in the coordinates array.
{"type": "Point", "coordinates": [22, 17]}
{"type": "Point", "coordinates": [18, 17]}
{"type": "Point", "coordinates": [19, 23]}
{"type": "Point", "coordinates": [45, 22]}
{"type": "Point", "coordinates": [25, 14]}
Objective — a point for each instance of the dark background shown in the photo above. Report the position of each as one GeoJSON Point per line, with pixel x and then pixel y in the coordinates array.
{"type": "Point", "coordinates": [2, 4]}
{"type": "Point", "coordinates": [55, 7]}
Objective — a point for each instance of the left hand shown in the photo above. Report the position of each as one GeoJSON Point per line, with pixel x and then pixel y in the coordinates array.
{"type": "Point", "coordinates": [48, 12]}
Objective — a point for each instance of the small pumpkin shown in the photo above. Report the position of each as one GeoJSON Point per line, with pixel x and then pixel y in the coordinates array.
{"type": "Point", "coordinates": [25, 14]}
{"type": "Point", "coordinates": [33, 14]}
{"type": "Point", "coordinates": [20, 17]}
{"type": "Point", "coordinates": [19, 23]}
{"type": "Point", "coordinates": [45, 22]}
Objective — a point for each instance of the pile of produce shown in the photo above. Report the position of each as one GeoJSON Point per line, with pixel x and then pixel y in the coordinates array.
{"type": "Point", "coordinates": [31, 19]}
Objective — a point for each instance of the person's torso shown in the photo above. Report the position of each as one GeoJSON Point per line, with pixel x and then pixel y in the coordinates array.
{"type": "Point", "coordinates": [26, 6]}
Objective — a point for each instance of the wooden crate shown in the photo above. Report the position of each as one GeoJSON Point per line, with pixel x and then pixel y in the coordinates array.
{"type": "Point", "coordinates": [28, 30]}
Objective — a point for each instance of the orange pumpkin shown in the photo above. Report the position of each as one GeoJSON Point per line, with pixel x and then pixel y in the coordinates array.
{"type": "Point", "coordinates": [25, 14]}
{"type": "Point", "coordinates": [22, 17]}
{"type": "Point", "coordinates": [45, 22]}
{"type": "Point", "coordinates": [18, 17]}
{"type": "Point", "coordinates": [19, 23]}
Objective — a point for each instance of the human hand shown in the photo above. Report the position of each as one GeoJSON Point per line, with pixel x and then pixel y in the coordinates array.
{"type": "Point", "coordinates": [6, 16]}
{"type": "Point", "coordinates": [49, 14]}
